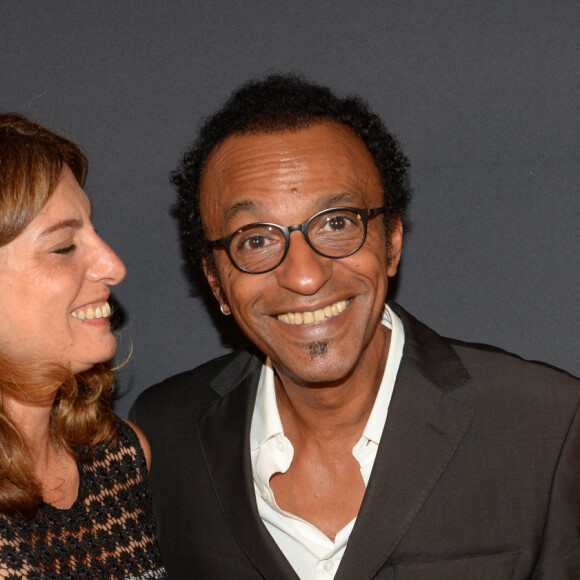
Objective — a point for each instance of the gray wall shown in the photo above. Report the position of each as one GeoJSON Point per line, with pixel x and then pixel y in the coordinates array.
{"type": "Point", "coordinates": [483, 95]}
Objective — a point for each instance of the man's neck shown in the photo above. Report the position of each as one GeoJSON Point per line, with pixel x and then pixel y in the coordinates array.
{"type": "Point", "coordinates": [334, 411]}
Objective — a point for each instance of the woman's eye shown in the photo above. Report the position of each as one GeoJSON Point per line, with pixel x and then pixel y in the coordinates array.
{"type": "Point", "coordinates": [65, 250]}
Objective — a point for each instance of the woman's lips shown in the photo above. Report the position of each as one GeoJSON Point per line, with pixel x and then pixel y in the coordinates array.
{"type": "Point", "coordinates": [90, 313]}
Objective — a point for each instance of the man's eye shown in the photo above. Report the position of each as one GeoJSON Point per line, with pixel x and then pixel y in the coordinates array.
{"type": "Point", "coordinates": [257, 239]}
{"type": "Point", "coordinates": [66, 249]}
{"type": "Point", "coordinates": [338, 223]}
{"type": "Point", "coordinates": [255, 242]}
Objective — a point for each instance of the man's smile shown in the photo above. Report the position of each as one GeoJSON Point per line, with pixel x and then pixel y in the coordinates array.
{"type": "Point", "coordinates": [314, 316]}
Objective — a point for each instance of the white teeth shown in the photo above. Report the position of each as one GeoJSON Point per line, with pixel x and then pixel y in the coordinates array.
{"type": "Point", "coordinates": [315, 316]}
{"type": "Point", "coordinates": [91, 313]}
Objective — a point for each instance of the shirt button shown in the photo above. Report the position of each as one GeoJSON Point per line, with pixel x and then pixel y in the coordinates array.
{"type": "Point", "coordinates": [281, 445]}
{"type": "Point", "coordinates": [328, 565]}
{"type": "Point", "coordinates": [265, 495]}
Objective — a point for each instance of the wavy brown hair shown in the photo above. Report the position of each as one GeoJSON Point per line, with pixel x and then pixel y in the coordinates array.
{"type": "Point", "coordinates": [32, 160]}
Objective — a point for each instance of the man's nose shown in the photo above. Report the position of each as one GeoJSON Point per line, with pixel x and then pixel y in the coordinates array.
{"type": "Point", "coordinates": [303, 270]}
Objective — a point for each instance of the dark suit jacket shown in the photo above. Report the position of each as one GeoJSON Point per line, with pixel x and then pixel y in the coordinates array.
{"type": "Point", "coordinates": [477, 475]}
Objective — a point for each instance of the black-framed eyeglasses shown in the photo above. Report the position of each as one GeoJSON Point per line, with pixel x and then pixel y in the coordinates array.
{"type": "Point", "coordinates": [260, 247]}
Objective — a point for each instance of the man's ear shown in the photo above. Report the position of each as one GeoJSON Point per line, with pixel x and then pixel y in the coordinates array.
{"type": "Point", "coordinates": [395, 246]}
{"type": "Point", "coordinates": [213, 278]}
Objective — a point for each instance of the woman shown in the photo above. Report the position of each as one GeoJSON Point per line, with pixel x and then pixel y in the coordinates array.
{"type": "Point", "coordinates": [74, 497]}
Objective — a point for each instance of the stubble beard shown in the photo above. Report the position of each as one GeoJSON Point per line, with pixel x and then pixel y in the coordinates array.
{"type": "Point", "coordinates": [317, 349]}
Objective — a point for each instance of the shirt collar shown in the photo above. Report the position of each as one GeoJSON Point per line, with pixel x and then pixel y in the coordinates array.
{"type": "Point", "coordinates": [266, 422]}
{"type": "Point", "coordinates": [378, 417]}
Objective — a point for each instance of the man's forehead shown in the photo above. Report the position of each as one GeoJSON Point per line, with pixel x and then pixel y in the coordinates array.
{"type": "Point", "coordinates": [286, 152]}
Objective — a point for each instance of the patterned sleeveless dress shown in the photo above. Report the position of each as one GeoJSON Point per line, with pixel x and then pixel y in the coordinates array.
{"type": "Point", "coordinates": [108, 533]}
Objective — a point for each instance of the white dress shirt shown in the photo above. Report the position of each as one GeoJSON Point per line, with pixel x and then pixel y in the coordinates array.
{"type": "Point", "coordinates": [312, 554]}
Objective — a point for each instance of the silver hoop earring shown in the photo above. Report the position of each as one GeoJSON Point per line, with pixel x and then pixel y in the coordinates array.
{"type": "Point", "coordinates": [225, 310]}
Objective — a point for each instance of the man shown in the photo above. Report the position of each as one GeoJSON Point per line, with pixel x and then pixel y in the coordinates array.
{"type": "Point", "coordinates": [354, 442]}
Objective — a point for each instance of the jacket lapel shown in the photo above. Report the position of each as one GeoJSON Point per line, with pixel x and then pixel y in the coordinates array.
{"type": "Point", "coordinates": [424, 426]}
{"type": "Point", "coordinates": [229, 465]}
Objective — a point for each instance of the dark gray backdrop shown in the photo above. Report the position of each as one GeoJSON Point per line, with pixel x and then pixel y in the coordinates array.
{"type": "Point", "coordinates": [484, 96]}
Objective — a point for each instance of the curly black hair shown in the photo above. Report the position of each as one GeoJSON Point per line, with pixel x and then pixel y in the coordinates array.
{"type": "Point", "coordinates": [277, 103]}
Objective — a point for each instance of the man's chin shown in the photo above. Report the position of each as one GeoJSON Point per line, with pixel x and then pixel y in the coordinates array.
{"type": "Point", "coordinates": [317, 349]}
{"type": "Point", "coordinates": [320, 370]}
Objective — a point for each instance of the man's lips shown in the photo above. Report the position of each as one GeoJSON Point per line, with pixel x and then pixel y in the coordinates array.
{"type": "Point", "coordinates": [314, 316]}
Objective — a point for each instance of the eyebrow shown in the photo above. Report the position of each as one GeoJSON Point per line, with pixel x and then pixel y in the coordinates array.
{"type": "Point", "coordinates": [344, 197]}
{"type": "Point", "coordinates": [71, 223]}
{"type": "Point", "coordinates": [242, 206]}
{"type": "Point", "coordinates": [253, 207]}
